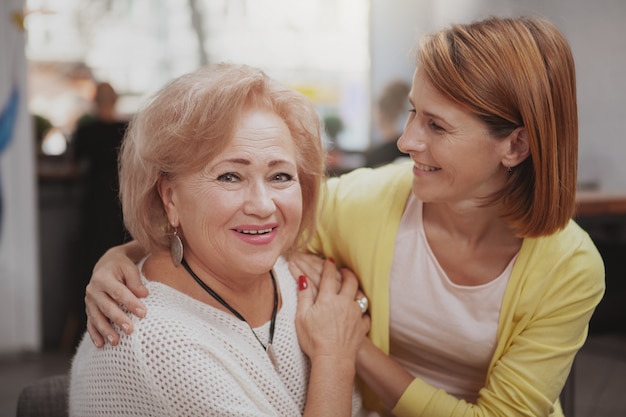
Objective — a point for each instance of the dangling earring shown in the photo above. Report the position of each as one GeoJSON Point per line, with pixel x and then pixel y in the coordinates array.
{"type": "Point", "coordinates": [509, 170]}
{"type": "Point", "coordinates": [176, 248]}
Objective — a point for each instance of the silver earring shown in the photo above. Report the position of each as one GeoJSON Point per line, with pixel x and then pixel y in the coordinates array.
{"type": "Point", "coordinates": [509, 170]}
{"type": "Point", "coordinates": [176, 248]}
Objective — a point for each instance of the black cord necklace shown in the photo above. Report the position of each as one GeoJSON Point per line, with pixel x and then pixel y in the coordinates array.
{"type": "Point", "coordinates": [268, 348]}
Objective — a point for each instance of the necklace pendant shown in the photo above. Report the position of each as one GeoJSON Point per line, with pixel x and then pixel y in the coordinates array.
{"type": "Point", "coordinates": [272, 356]}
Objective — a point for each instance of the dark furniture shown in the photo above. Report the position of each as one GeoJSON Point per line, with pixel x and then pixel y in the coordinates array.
{"type": "Point", "coordinates": [46, 397]}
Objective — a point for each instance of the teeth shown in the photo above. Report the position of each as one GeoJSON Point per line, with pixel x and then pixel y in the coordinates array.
{"type": "Point", "coordinates": [425, 167]}
{"type": "Point", "coordinates": [254, 232]}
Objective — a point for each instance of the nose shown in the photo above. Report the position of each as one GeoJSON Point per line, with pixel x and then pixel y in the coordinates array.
{"type": "Point", "coordinates": [412, 139]}
{"type": "Point", "coordinates": [259, 200]}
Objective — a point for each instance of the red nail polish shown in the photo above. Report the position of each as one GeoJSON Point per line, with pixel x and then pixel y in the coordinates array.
{"type": "Point", "coordinates": [332, 260]}
{"type": "Point", "coordinates": [302, 283]}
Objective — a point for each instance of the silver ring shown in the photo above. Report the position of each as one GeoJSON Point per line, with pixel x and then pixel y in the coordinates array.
{"type": "Point", "coordinates": [363, 303]}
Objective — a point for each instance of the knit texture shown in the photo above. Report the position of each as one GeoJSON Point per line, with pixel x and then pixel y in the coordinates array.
{"type": "Point", "coordinates": [186, 358]}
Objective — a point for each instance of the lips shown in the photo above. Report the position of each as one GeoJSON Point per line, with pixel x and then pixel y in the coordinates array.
{"type": "Point", "coordinates": [426, 168]}
{"type": "Point", "coordinates": [256, 235]}
{"type": "Point", "coordinates": [254, 232]}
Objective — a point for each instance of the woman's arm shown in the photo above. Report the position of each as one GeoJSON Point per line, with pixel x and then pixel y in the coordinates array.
{"type": "Point", "coordinates": [115, 280]}
{"type": "Point", "coordinates": [530, 366]}
{"type": "Point", "coordinates": [330, 329]}
{"type": "Point", "coordinates": [383, 375]}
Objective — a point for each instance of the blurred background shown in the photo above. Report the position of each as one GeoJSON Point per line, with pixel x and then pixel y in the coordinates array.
{"type": "Point", "coordinates": [71, 69]}
{"type": "Point", "coordinates": [342, 54]}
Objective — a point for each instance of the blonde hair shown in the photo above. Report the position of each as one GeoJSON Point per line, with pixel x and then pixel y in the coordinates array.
{"type": "Point", "coordinates": [513, 72]}
{"type": "Point", "coordinates": [189, 122]}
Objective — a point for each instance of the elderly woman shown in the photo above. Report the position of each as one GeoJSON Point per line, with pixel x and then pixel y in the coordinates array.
{"type": "Point", "coordinates": [220, 175]}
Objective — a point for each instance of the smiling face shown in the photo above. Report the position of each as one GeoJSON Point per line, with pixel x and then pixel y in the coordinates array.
{"type": "Point", "coordinates": [455, 157]}
{"type": "Point", "coordinates": [243, 210]}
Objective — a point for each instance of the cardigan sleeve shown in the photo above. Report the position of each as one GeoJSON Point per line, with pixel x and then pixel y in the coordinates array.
{"type": "Point", "coordinates": [358, 222]}
{"type": "Point", "coordinates": [555, 286]}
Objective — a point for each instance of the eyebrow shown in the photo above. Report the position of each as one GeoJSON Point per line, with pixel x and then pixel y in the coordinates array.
{"type": "Point", "coordinates": [429, 114]}
{"type": "Point", "coordinates": [243, 161]}
{"type": "Point", "coordinates": [434, 116]}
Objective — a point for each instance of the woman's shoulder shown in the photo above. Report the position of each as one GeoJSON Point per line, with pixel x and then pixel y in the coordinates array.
{"type": "Point", "coordinates": [569, 253]}
{"type": "Point", "coordinates": [167, 306]}
{"type": "Point", "coordinates": [163, 300]}
{"type": "Point", "coordinates": [571, 239]}
{"type": "Point", "coordinates": [370, 187]}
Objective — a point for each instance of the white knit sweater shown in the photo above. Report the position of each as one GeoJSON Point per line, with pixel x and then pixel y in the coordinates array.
{"type": "Point", "coordinates": [186, 358]}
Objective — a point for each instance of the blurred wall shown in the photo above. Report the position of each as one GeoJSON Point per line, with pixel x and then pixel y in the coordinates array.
{"type": "Point", "coordinates": [19, 268]}
{"type": "Point", "coordinates": [597, 35]}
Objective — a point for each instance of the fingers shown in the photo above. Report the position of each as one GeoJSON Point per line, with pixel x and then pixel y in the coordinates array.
{"type": "Point", "coordinates": [306, 297]}
{"type": "Point", "coordinates": [132, 277]}
{"type": "Point", "coordinates": [95, 335]}
{"type": "Point", "coordinates": [101, 308]}
{"type": "Point", "coordinates": [100, 328]}
{"type": "Point", "coordinates": [105, 293]}
{"type": "Point", "coordinates": [306, 264]}
{"type": "Point", "coordinates": [349, 283]}
{"type": "Point", "coordinates": [342, 283]}
{"type": "Point", "coordinates": [296, 271]}
{"type": "Point", "coordinates": [351, 288]}
{"type": "Point", "coordinates": [127, 295]}
{"type": "Point", "coordinates": [330, 281]}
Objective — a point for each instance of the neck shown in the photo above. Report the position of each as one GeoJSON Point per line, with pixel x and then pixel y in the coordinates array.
{"type": "Point", "coordinates": [250, 294]}
{"type": "Point", "coordinates": [228, 280]}
{"type": "Point", "coordinates": [225, 303]}
{"type": "Point", "coordinates": [266, 346]}
{"type": "Point", "coordinates": [466, 222]}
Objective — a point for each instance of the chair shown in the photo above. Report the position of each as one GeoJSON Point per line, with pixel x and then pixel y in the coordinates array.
{"type": "Point", "coordinates": [46, 397]}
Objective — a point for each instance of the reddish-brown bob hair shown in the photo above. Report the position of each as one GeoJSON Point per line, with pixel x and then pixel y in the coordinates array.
{"type": "Point", "coordinates": [513, 72]}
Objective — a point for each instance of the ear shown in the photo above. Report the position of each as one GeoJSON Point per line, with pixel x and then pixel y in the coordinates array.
{"type": "Point", "coordinates": [166, 192]}
{"type": "Point", "coordinates": [517, 148]}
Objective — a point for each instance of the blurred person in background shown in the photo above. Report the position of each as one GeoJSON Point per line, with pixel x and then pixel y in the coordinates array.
{"type": "Point", "coordinates": [94, 148]}
{"type": "Point", "coordinates": [389, 115]}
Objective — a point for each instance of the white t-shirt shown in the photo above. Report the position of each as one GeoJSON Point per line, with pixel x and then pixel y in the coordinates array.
{"type": "Point", "coordinates": [186, 358]}
{"type": "Point", "coordinates": [441, 332]}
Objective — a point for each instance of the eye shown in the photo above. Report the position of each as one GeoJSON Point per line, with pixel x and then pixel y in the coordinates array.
{"type": "Point", "coordinates": [228, 177]}
{"type": "Point", "coordinates": [434, 126]}
{"type": "Point", "coordinates": [282, 177]}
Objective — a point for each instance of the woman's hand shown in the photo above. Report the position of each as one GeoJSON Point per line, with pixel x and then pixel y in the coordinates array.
{"type": "Point", "coordinates": [329, 320]}
{"type": "Point", "coordinates": [331, 328]}
{"type": "Point", "coordinates": [115, 281]}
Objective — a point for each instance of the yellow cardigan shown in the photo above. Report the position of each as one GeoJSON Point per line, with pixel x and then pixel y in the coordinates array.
{"type": "Point", "coordinates": [555, 285]}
